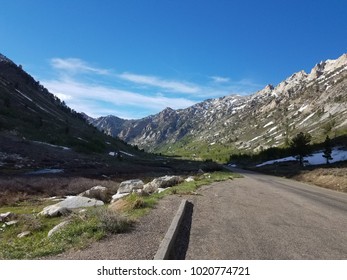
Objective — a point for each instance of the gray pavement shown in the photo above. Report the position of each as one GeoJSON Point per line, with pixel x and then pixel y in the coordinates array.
{"type": "Point", "coordinates": [266, 217]}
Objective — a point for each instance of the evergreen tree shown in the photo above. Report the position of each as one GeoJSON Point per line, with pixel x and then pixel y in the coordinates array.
{"type": "Point", "coordinates": [300, 146]}
{"type": "Point", "coordinates": [327, 149]}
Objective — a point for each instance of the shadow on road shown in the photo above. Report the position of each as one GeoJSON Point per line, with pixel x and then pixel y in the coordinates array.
{"type": "Point", "coordinates": [182, 240]}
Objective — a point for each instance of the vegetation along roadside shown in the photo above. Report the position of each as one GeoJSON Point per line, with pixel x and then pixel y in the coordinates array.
{"type": "Point", "coordinates": [26, 234]}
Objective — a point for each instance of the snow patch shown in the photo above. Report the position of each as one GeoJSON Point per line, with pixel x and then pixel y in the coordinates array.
{"type": "Point", "coordinates": [130, 155]}
{"type": "Point", "coordinates": [269, 123]}
{"type": "Point", "coordinates": [22, 94]}
{"type": "Point", "coordinates": [45, 171]}
{"type": "Point", "coordinates": [308, 117]}
{"type": "Point", "coordinates": [314, 159]}
{"type": "Point", "coordinates": [272, 129]}
{"type": "Point", "coordinates": [51, 145]}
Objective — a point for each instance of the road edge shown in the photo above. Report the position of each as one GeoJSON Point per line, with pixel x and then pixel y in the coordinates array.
{"type": "Point", "coordinates": [171, 234]}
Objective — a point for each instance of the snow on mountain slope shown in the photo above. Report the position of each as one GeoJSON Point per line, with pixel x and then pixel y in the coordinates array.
{"type": "Point", "coordinates": [314, 102]}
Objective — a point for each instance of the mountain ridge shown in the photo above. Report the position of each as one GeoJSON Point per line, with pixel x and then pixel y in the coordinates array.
{"type": "Point", "coordinates": [215, 127]}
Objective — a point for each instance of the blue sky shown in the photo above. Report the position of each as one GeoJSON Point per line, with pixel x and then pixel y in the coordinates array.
{"type": "Point", "coordinates": [134, 58]}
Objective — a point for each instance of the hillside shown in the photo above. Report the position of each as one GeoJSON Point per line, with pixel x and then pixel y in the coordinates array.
{"type": "Point", "coordinates": [312, 102]}
{"type": "Point", "coordinates": [38, 131]}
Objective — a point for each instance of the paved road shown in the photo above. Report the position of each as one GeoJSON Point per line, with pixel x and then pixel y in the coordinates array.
{"type": "Point", "coordinates": [266, 217]}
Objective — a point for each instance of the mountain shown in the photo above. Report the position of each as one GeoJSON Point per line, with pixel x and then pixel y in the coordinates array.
{"type": "Point", "coordinates": [312, 102]}
{"type": "Point", "coordinates": [29, 110]}
{"type": "Point", "coordinates": [40, 134]}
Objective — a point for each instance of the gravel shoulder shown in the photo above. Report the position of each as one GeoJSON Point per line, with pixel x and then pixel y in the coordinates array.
{"type": "Point", "coordinates": [141, 243]}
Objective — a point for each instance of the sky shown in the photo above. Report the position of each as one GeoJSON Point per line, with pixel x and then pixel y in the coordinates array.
{"type": "Point", "coordinates": [133, 58]}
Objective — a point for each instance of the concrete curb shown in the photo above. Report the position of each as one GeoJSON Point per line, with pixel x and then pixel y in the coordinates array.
{"type": "Point", "coordinates": [170, 236]}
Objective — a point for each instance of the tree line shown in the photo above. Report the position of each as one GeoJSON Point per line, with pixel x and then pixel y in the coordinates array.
{"type": "Point", "coordinates": [299, 147]}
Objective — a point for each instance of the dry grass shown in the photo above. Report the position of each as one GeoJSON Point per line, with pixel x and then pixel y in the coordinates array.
{"type": "Point", "coordinates": [331, 178]}
{"type": "Point", "coordinates": [16, 190]}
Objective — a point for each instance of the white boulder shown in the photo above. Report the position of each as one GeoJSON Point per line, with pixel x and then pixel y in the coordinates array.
{"type": "Point", "coordinates": [130, 185]}
{"type": "Point", "coordinates": [64, 207]}
{"type": "Point", "coordinates": [98, 192]}
{"type": "Point", "coordinates": [73, 202]}
{"type": "Point", "coordinates": [162, 183]}
{"type": "Point", "coordinates": [55, 211]}
{"type": "Point", "coordinates": [118, 196]}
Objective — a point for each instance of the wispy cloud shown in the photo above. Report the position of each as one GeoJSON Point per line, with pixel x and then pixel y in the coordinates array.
{"type": "Point", "coordinates": [172, 86]}
{"type": "Point", "coordinates": [76, 65]}
{"type": "Point", "coordinates": [218, 79]}
{"type": "Point", "coordinates": [97, 91]}
{"type": "Point", "coordinates": [79, 93]}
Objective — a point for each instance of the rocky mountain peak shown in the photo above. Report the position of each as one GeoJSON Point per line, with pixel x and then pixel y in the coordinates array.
{"type": "Point", "coordinates": [327, 66]}
{"type": "Point", "coordinates": [266, 90]}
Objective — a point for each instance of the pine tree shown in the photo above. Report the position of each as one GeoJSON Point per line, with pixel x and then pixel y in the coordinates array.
{"type": "Point", "coordinates": [300, 146]}
{"type": "Point", "coordinates": [327, 149]}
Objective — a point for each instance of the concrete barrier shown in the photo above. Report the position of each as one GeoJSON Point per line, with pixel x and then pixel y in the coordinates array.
{"type": "Point", "coordinates": [170, 236]}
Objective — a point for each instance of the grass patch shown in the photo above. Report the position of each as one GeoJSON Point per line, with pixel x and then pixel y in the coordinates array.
{"type": "Point", "coordinates": [82, 229]}
{"type": "Point", "coordinates": [85, 227]}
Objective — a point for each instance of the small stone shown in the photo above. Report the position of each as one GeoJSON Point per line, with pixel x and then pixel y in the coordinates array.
{"type": "Point", "coordinates": [11, 223]}
{"type": "Point", "coordinates": [57, 228]}
{"type": "Point", "coordinates": [190, 179]}
{"type": "Point", "coordinates": [23, 234]}
{"type": "Point", "coordinates": [6, 216]}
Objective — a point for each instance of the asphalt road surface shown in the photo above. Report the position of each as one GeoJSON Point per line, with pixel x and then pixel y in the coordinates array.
{"type": "Point", "coordinates": [266, 217]}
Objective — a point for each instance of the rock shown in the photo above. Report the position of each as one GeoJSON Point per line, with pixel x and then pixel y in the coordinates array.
{"type": "Point", "coordinates": [162, 183]}
{"type": "Point", "coordinates": [98, 192]}
{"type": "Point", "coordinates": [190, 179]}
{"type": "Point", "coordinates": [73, 202]}
{"type": "Point", "coordinates": [55, 211]}
{"type": "Point", "coordinates": [118, 196]}
{"type": "Point", "coordinates": [64, 207]}
{"type": "Point", "coordinates": [162, 189]}
{"type": "Point", "coordinates": [11, 223]}
{"type": "Point", "coordinates": [130, 185]}
{"type": "Point", "coordinates": [57, 228]}
{"type": "Point", "coordinates": [23, 234]}
{"type": "Point", "coordinates": [6, 216]}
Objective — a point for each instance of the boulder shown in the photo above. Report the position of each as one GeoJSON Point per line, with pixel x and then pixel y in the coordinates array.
{"type": "Point", "coordinates": [6, 216]}
{"type": "Point", "coordinates": [57, 228]}
{"type": "Point", "coordinates": [118, 196]}
{"type": "Point", "coordinates": [64, 207]}
{"type": "Point", "coordinates": [73, 202]}
{"type": "Point", "coordinates": [55, 211]}
{"type": "Point", "coordinates": [130, 185]}
{"type": "Point", "coordinates": [162, 183]}
{"type": "Point", "coordinates": [98, 192]}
